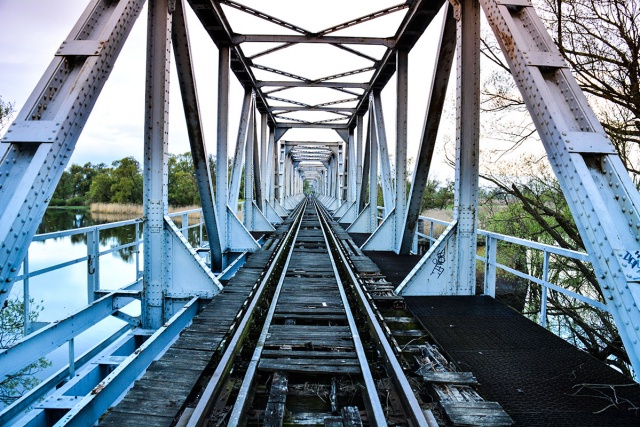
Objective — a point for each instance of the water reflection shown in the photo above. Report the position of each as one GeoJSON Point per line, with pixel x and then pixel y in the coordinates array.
{"type": "Point", "coordinates": [64, 219]}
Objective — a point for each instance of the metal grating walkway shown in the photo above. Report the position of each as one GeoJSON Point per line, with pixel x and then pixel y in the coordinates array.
{"type": "Point", "coordinates": [532, 373]}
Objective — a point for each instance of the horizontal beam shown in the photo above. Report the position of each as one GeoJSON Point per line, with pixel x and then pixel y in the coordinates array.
{"type": "Point", "coordinates": [94, 404]}
{"type": "Point", "coordinates": [40, 343]}
{"type": "Point", "coordinates": [329, 109]}
{"type": "Point", "coordinates": [277, 38]}
{"type": "Point", "coordinates": [311, 126]}
{"type": "Point", "coordinates": [413, 25]}
{"type": "Point", "coordinates": [276, 83]}
{"type": "Point", "coordinates": [297, 143]}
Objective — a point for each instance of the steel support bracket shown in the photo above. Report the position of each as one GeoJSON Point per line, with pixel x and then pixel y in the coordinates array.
{"type": "Point", "coordinates": [436, 272]}
{"type": "Point", "coordinates": [384, 237]}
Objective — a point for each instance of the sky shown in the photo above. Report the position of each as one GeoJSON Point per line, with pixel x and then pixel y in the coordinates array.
{"type": "Point", "coordinates": [32, 30]}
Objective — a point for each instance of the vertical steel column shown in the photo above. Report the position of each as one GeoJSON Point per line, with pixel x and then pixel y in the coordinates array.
{"type": "Point", "coordinates": [222, 174]}
{"type": "Point", "coordinates": [93, 264]}
{"type": "Point", "coordinates": [402, 93]}
{"type": "Point", "coordinates": [264, 161]}
{"type": "Point", "coordinates": [467, 138]}
{"type": "Point", "coordinates": [281, 158]}
{"type": "Point", "coordinates": [366, 167]}
{"type": "Point", "coordinates": [155, 161]}
{"type": "Point", "coordinates": [337, 184]}
{"type": "Point", "coordinates": [373, 175]}
{"type": "Point", "coordinates": [257, 168]}
{"type": "Point", "coordinates": [186, 80]}
{"type": "Point", "coordinates": [248, 170]}
{"type": "Point", "coordinates": [270, 169]}
{"type": "Point", "coordinates": [385, 165]}
{"type": "Point", "coordinates": [357, 165]}
{"type": "Point", "coordinates": [236, 173]}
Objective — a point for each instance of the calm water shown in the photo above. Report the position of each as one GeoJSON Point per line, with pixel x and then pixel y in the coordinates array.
{"type": "Point", "coordinates": [64, 291]}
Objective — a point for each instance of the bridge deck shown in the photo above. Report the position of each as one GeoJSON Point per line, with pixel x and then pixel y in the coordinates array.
{"type": "Point", "coordinates": [532, 373]}
{"type": "Point", "coordinates": [157, 398]}
{"type": "Point", "coordinates": [535, 375]}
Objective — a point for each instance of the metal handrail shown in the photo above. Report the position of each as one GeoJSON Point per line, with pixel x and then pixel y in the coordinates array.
{"type": "Point", "coordinates": [491, 264]}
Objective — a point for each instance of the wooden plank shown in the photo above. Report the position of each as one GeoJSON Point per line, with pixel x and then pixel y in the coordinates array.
{"type": "Point", "coordinates": [166, 408]}
{"type": "Point", "coordinates": [272, 365]}
{"type": "Point", "coordinates": [310, 354]}
{"type": "Point", "coordinates": [351, 416]}
{"type": "Point", "coordinates": [309, 329]}
{"type": "Point", "coordinates": [449, 377]}
{"type": "Point", "coordinates": [489, 414]}
{"type": "Point", "coordinates": [274, 412]}
{"type": "Point", "coordinates": [312, 316]}
{"type": "Point", "coordinates": [311, 361]}
{"type": "Point", "coordinates": [333, 422]}
{"type": "Point", "coordinates": [118, 419]}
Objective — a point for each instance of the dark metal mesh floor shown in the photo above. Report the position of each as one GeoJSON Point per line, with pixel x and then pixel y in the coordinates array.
{"type": "Point", "coordinates": [359, 238]}
{"type": "Point", "coordinates": [532, 373]}
{"type": "Point", "coordinates": [394, 267]}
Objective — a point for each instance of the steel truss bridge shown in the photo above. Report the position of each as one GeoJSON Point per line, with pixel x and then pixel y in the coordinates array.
{"type": "Point", "coordinates": [175, 283]}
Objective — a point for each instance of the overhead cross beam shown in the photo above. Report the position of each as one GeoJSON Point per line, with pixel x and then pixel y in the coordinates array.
{"type": "Point", "coordinates": [418, 16]}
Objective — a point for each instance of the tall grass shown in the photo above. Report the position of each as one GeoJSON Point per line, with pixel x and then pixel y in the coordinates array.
{"type": "Point", "coordinates": [131, 209]}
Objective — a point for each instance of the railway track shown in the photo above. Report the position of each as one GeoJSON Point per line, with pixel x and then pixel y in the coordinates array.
{"type": "Point", "coordinates": [323, 340]}
{"type": "Point", "coordinates": [305, 353]}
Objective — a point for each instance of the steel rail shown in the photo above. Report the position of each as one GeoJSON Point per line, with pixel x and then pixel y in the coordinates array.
{"type": "Point", "coordinates": [244, 392]}
{"type": "Point", "coordinates": [370, 386]}
{"type": "Point", "coordinates": [198, 416]}
{"type": "Point", "coordinates": [408, 398]}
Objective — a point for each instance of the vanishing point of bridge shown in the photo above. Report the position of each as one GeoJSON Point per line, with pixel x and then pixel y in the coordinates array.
{"type": "Point", "coordinates": [318, 309]}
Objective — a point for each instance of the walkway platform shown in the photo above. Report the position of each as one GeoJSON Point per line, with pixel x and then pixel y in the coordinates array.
{"type": "Point", "coordinates": [537, 377]}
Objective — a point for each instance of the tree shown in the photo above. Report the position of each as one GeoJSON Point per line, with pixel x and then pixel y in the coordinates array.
{"type": "Point", "coordinates": [183, 189]}
{"type": "Point", "coordinates": [127, 181]}
{"type": "Point", "coordinates": [600, 40]}
{"type": "Point", "coordinates": [100, 188]}
{"type": "Point", "coordinates": [6, 113]}
{"type": "Point", "coordinates": [533, 207]}
{"type": "Point", "coordinates": [11, 330]}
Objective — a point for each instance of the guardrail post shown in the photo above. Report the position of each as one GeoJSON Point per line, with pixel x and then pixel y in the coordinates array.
{"type": "Point", "coordinates": [543, 297]}
{"type": "Point", "coordinates": [72, 358]}
{"type": "Point", "coordinates": [139, 241]}
{"type": "Point", "coordinates": [185, 225]}
{"type": "Point", "coordinates": [201, 222]}
{"type": "Point", "coordinates": [26, 298]}
{"type": "Point", "coordinates": [93, 264]}
{"type": "Point", "coordinates": [489, 266]}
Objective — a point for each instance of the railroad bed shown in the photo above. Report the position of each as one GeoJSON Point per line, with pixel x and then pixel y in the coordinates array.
{"type": "Point", "coordinates": [308, 346]}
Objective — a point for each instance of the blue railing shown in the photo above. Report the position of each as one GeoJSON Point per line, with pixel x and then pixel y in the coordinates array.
{"type": "Point", "coordinates": [42, 338]}
{"type": "Point", "coordinates": [491, 264]}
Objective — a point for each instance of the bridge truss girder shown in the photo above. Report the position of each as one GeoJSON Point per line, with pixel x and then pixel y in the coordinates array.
{"type": "Point", "coordinates": [600, 194]}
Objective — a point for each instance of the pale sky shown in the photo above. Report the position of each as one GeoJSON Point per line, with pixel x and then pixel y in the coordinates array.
{"type": "Point", "coordinates": [32, 30]}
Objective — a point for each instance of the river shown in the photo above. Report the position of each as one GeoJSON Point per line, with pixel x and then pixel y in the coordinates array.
{"type": "Point", "coordinates": [63, 291]}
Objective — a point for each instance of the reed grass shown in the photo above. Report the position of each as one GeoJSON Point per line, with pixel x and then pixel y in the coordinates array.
{"type": "Point", "coordinates": [132, 209]}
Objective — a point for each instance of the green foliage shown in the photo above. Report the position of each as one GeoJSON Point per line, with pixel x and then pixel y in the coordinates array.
{"type": "Point", "coordinates": [11, 330]}
{"type": "Point", "coordinates": [100, 188]}
{"type": "Point", "coordinates": [122, 182]}
{"type": "Point", "coordinates": [183, 188]}
{"type": "Point", "coordinates": [437, 195]}
{"type": "Point", "coordinates": [127, 181]}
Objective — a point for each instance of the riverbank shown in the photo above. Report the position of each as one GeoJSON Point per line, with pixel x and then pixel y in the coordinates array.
{"type": "Point", "coordinates": [129, 209]}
